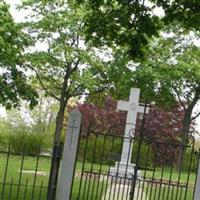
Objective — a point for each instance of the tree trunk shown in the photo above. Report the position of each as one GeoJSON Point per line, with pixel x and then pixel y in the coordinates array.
{"type": "Point", "coordinates": [184, 136]}
{"type": "Point", "coordinates": [63, 102]}
{"type": "Point", "coordinates": [59, 121]}
{"type": "Point", "coordinates": [57, 150]}
{"type": "Point", "coordinates": [186, 126]}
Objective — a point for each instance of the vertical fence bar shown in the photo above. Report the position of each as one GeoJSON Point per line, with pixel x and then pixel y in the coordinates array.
{"type": "Point", "coordinates": [108, 173]}
{"type": "Point", "coordinates": [5, 174]}
{"type": "Point", "coordinates": [41, 187]}
{"type": "Point", "coordinates": [116, 178]}
{"type": "Point", "coordinates": [179, 175]}
{"type": "Point", "coordinates": [170, 178]}
{"type": "Point", "coordinates": [35, 175]}
{"type": "Point", "coordinates": [11, 187]}
{"type": "Point", "coordinates": [20, 173]}
{"type": "Point", "coordinates": [25, 190]}
{"type": "Point", "coordinates": [83, 166]}
{"type": "Point", "coordinates": [197, 185]}
{"type": "Point", "coordinates": [189, 171]}
{"type": "Point", "coordinates": [145, 168]}
{"type": "Point", "coordinates": [55, 164]}
{"type": "Point", "coordinates": [67, 170]}
{"type": "Point", "coordinates": [91, 174]}
{"type": "Point", "coordinates": [129, 158]}
{"type": "Point", "coordinates": [101, 163]}
{"type": "Point", "coordinates": [136, 168]}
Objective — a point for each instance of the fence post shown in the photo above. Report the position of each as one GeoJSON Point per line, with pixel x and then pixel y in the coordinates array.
{"type": "Point", "coordinates": [55, 165]}
{"type": "Point", "coordinates": [65, 179]}
{"type": "Point", "coordinates": [197, 187]}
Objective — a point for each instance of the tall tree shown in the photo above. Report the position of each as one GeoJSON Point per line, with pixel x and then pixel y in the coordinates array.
{"type": "Point", "coordinates": [67, 67]}
{"type": "Point", "coordinates": [13, 80]}
{"type": "Point", "coordinates": [171, 74]}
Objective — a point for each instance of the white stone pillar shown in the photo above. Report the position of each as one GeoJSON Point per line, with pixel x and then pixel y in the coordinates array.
{"type": "Point", "coordinates": [66, 175]}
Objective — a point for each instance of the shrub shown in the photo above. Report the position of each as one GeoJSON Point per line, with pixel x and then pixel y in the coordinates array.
{"type": "Point", "coordinates": [98, 148]}
{"type": "Point", "coordinates": [146, 156]}
{"type": "Point", "coordinates": [104, 149]}
{"type": "Point", "coordinates": [190, 160]}
{"type": "Point", "coordinates": [28, 143]}
{"type": "Point", "coordinates": [3, 140]}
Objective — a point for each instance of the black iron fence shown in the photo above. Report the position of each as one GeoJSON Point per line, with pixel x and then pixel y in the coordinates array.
{"type": "Point", "coordinates": [155, 176]}
{"type": "Point", "coordinates": [99, 173]}
{"type": "Point", "coordinates": [24, 174]}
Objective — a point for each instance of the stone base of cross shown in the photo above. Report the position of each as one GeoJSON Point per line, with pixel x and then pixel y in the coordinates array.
{"type": "Point", "coordinates": [124, 168]}
{"type": "Point", "coordinates": [124, 171]}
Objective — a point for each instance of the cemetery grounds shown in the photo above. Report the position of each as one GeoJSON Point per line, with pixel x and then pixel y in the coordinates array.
{"type": "Point", "coordinates": [26, 177]}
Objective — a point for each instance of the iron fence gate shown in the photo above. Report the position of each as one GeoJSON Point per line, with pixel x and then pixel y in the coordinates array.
{"type": "Point", "coordinates": [155, 177]}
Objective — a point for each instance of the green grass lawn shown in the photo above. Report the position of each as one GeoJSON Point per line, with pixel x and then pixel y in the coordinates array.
{"type": "Point", "coordinates": [26, 185]}
{"type": "Point", "coordinates": [90, 188]}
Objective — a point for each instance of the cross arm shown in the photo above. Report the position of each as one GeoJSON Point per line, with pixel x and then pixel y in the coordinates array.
{"type": "Point", "coordinates": [123, 105]}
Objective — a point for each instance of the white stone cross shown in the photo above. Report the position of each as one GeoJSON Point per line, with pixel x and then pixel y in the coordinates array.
{"type": "Point", "coordinates": [132, 107]}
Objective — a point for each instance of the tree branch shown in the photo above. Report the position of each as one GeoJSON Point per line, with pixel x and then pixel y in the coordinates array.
{"type": "Point", "coordinates": [75, 67]}
{"type": "Point", "coordinates": [196, 98]}
{"type": "Point", "coordinates": [179, 98]}
{"type": "Point", "coordinates": [197, 115]}
{"type": "Point", "coordinates": [88, 93]}
{"type": "Point", "coordinates": [42, 84]}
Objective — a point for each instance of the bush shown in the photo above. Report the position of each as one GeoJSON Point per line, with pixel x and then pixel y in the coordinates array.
{"type": "Point", "coordinates": [98, 149]}
{"type": "Point", "coordinates": [29, 143]}
{"type": "Point", "coordinates": [190, 161]}
{"type": "Point", "coordinates": [101, 149]}
{"type": "Point", "coordinates": [3, 141]}
{"type": "Point", "coordinates": [146, 158]}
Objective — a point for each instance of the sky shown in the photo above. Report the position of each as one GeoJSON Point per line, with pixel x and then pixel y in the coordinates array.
{"type": "Point", "coordinates": [19, 16]}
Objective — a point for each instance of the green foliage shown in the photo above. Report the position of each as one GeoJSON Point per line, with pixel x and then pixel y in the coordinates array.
{"type": "Point", "coordinates": [127, 24]}
{"type": "Point", "coordinates": [67, 67]}
{"type": "Point", "coordinates": [121, 74]}
{"type": "Point", "coordinates": [13, 82]}
{"type": "Point", "coordinates": [185, 12]}
{"type": "Point", "coordinates": [146, 158]}
{"type": "Point", "coordinates": [30, 144]}
{"type": "Point", "coordinates": [19, 136]}
{"type": "Point", "coordinates": [11, 39]}
{"type": "Point", "coordinates": [190, 160]}
{"type": "Point", "coordinates": [104, 150]}
{"type": "Point", "coordinates": [131, 24]}
{"type": "Point", "coordinates": [33, 130]}
{"type": "Point", "coordinates": [171, 74]}
{"type": "Point", "coordinates": [98, 149]}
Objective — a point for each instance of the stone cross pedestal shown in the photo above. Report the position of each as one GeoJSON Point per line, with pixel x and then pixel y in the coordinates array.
{"type": "Point", "coordinates": [124, 168]}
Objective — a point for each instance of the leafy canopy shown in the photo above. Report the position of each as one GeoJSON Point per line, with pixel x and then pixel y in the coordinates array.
{"type": "Point", "coordinates": [66, 67]}
{"type": "Point", "coordinates": [131, 24]}
{"type": "Point", "coordinates": [170, 73]}
{"type": "Point", "coordinates": [13, 81]}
